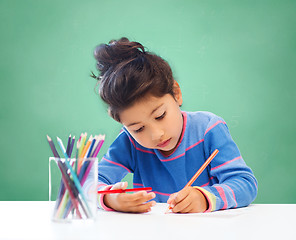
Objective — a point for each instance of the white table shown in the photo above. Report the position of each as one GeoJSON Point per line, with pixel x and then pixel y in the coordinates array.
{"type": "Point", "coordinates": [32, 220]}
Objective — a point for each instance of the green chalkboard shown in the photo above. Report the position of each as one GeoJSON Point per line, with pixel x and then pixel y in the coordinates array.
{"type": "Point", "coordinates": [233, 58]}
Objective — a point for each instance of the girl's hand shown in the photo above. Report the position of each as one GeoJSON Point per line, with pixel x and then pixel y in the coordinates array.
{"type": "Point", "coordinates": [125, 202]}
{"type": "Point", "coordinates": [188, 200]}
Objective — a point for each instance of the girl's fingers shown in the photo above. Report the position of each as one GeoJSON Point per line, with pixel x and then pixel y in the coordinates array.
{"type": "Point", "coordinates": [172, 196]}
{"type": "Point", "coordinates": [119, 185]}
{"type": "Point", "coordinates": [179, 196]}
{"type": "Point", "coordinates": [189, 200]}
{"type": "Point", "coordinates": [129, 202]}
{"type": "Point", "coordinates": [146, 207]}
{"type": "Point", "coordinates": [182, 205]}
{"type": "Point", "coordinates": [137, 198]}
{"type": "Point", "coordinates": [138, 202]}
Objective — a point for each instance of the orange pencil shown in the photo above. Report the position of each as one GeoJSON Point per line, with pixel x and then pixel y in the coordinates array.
{"type": "Point", "coordinates": [196, 175]}
{"type": "Point", "coordinates": [84, 151]}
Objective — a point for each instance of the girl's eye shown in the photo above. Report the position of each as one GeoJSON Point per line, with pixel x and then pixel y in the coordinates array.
{"type": "Point", "coordinates": [161, 116]}
{"type": "Point", "coordinates": [139, 130]}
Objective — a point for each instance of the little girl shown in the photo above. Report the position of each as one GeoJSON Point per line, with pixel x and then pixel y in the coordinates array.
{"type": "Point", "coordinates": [160, 144]}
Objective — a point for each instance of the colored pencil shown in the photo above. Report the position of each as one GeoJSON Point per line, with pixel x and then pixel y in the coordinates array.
{"type": "Point", "coordinates": [82, 142]}
{"type": "Point", "coordinates": [82, 181]}
{"type": "Point", "coordinates": [86, 163]}
{"type": "Point", "coordinates": [102, 139]}
{"type": "Point", "coordinates": [125, 190]}
{"type": "Point", "coordinates": [96, 137]}
{"type": "Point", "coordinates": [75, 178]}
{"type": "Point", "coordinates": [77, 153]}
{"type": "Point", "coordinates": [80, 150]}
{"type": "Point", "coordinates": [62, 186]}
{"type": "Point", "coordinates": [86, 147]}
{"type": "Point", "coordinates": [53, 149]}
{"type": "Point", "coordinates": [64, 177]}
{"type": "Point", "coordinates": [70, 194]}
{"type": "Point", "coordinates": [196, 175]}
{"type": "Point", "coordinates": [87, 171]}
{"type": "Point", "coordinates": [71, 147]}
{"type": "Point", "coordinates": [84, 153]}
{"type": "Point", "coordinates": [68, 144]}
{"type": "Point", "coordinates": [91, 147]}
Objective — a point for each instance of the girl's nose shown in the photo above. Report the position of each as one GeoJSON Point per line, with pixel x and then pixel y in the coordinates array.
{"type": "Point", "coordinates": [157, 133]}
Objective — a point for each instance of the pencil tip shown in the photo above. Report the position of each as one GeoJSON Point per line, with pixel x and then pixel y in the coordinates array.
{"type": "Point", "coordinates": [48, 138]}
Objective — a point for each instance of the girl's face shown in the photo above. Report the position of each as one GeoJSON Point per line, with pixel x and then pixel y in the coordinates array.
{"type": "Point", "coordinates": [155, 122]}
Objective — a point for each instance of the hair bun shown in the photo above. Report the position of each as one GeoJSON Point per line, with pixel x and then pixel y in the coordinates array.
{"type": "Point", "coordinates": [117, 51]}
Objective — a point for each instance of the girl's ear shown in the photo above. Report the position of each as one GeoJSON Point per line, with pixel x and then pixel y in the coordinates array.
{"type": "Point", "coordinates": [177, 93]}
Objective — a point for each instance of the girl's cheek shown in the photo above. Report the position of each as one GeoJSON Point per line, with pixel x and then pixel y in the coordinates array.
{"type": "Point", "coordinates": [139, 139]}
{"type": "Point", "coordinates": [144, 141]}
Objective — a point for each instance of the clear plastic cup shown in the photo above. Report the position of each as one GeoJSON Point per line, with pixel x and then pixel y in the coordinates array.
{"type": "Point", "coordinates": [72, 186]}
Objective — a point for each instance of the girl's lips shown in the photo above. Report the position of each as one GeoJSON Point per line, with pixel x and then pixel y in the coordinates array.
{"type": "Point", "coordinates": [164, 143]}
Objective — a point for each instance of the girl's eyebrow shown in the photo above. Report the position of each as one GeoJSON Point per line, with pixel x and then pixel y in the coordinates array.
{"type": "Point", "coordinates": [134, 123]}
{"type": "Point", "coordinates": [156, 109]}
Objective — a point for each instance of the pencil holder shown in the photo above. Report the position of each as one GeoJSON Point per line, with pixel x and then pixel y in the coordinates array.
{"type": "Point", "coordinates": [72, 188]}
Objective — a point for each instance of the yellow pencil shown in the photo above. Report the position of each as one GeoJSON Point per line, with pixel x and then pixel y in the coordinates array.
{"type": "Point", "coordinates": [80, 149]}
{"type": "Point", "coordinates": [84, 151]}
{"type": "Point", "coordinates": [83, 138]}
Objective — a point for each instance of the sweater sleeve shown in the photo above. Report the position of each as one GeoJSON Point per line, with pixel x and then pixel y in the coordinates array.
{"type": "Point", "coordinates": [114, 165]}
{"type": "Point", "coordinates": [234, 184]}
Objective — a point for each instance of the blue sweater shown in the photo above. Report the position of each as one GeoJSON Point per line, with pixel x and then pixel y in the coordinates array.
{"type": "Point", "coordinates": [226, 183]}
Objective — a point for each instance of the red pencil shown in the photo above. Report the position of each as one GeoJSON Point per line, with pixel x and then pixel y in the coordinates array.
{"type": "Point", "coordinates": [125, 190]}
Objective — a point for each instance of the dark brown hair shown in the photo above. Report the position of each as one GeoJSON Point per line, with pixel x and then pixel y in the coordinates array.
{"type": "Point", "coordinates": [128, 73]}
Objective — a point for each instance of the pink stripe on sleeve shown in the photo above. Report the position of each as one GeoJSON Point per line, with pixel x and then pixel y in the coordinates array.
{"type": "Point", "coordinates": [226, 163]}
{"type": "Point", "coordinates": [206, 184]}
{"type": "Point", "coordinates": [232, 195]}
{"type": "Point", "coordinates": [214, 125]}
{"type": "Point", "coordinates": [222, 195]}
